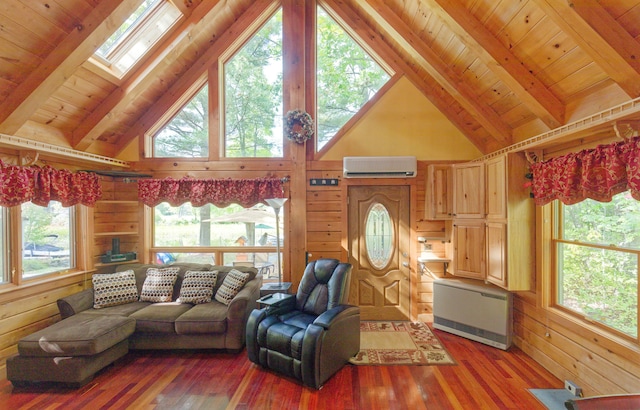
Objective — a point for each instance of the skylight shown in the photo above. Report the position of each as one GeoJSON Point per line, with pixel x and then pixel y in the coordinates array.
{"type": "Point", "coordinates": [137, 35]}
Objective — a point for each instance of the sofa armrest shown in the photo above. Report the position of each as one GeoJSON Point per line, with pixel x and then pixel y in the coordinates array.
{"type": "Point", "coordinates": [76, 303]}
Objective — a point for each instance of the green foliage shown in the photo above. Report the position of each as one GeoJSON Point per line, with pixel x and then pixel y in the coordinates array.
{"type": "Point", "coordinates": [253, 95]}
{"type": "Point", "coordinates": [601, 283]}
{"type": "Point", "coordinates": [347, 77]}
{"type": "Point", "coordinates": [187, 134]}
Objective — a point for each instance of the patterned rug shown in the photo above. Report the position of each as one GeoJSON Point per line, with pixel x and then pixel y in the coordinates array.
{"type": "Point", "coordinates": [399, 343]}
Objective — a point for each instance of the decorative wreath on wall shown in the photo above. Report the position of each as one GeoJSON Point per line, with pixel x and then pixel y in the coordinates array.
{"type": "Point", "coordinates": [298, 126]}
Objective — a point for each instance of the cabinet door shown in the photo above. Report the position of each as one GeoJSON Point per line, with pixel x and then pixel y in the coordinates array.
{"type": "Point", "coordinates": [496, 193]}
{"type": "Point", "coordinates": [496, 237]}
{"type": "Point", "coordinates": [468, 191]}
{"type": "Point", "coordinates": [468, 249]}
{"type": "Point", "coordinates": [439, 201]}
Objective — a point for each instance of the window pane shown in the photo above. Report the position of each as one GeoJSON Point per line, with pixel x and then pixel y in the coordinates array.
{"type": "Point", "coordinates": [187, 134]}
{"type": "Point", "coordinates": [47, 236]}
{"type": "Point", "coordinates": [253, 95]}
{"type": "Point", "coordinates": [378, 236]}
{"type": "Point", "coordinates": [4, 251]}
{"type": "Point", "coordinates": [601, 284]}
{"type": "Point", "coordinates": [347, 77]}
{"type": "Point", "coordinates": [212, 226]}
{"type": "Point", "coordinates": [604, 223]}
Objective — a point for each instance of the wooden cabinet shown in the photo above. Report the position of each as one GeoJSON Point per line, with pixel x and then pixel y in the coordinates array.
{"type": "Point", "coordinates": [510, 223]}
{"type": "Point", "coordinates": [468, 190]}
{"type": "Point", "coordinates": [468, 249]}
{"type": "Point", "coordinates": [439, 200]}
{"type": "Point", "coordinates": [496, 190]}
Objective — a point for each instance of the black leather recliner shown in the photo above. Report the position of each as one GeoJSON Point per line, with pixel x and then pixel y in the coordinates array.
{"type": "Point", "coordinates": [312, 336]}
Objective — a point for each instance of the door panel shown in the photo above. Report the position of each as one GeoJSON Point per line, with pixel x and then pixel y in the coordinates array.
{"type": "Point", "coordinates": [379, 250]}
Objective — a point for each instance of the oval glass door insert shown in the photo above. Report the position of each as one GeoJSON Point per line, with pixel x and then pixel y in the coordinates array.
{"type": "Point", "coordinates": [378, 236]}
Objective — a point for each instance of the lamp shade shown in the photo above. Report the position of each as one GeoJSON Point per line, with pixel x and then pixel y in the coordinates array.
{"type": "Point", "coordinates": [276, 203]}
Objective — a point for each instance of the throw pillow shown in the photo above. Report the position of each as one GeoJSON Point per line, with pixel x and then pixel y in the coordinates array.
{"type": "Point", "coordinates": [158, 285]}
{"type": "Point", "coordinates": [197, 286]}
{"type": "Point", "coordinates": [111, 289]}
{"type": "Point", "coordinates": [233, 282]}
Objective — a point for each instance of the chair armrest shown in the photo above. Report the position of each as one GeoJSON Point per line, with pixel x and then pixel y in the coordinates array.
{"type": "Point", "coordinates": [327, 318]}
{"type": "Point", "coordinates": [76, 303]}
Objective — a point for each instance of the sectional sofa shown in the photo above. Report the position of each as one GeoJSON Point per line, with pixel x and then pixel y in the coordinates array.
{"type": "Point", "coordinates": [139, 307]}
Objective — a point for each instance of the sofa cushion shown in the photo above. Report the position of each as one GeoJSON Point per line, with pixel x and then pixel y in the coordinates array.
{"type": "Point", "coordinates": [159, 317]}
{"type": "Point", "coordinates": [111, 289]}
{"type": "Point", "coordinates": [79, 335]}
{"type": "Point", "coordinates": [233, 282]}
{"type": "Point", "coordinates": [158, 285]}
{"type": "Point", "coordinates": [197, 287]}
{"type": "Point", "coordinates": [203, 319]}
{"type": "Point", "coordinates": [120, 310]}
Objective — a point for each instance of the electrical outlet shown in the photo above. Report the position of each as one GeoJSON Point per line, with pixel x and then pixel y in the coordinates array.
{"type": "Point", "coordinates": [573, 388]}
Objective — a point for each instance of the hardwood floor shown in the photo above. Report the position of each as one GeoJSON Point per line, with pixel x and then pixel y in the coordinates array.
{"type": "Point", "coordinates": [484, 378]}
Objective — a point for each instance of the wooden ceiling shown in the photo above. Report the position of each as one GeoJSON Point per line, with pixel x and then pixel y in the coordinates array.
{"type": "Point", "coordinates": [501, 70]}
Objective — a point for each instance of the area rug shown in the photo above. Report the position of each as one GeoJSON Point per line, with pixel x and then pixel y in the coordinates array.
{"type": "Point", "coordinates": [399, 343]}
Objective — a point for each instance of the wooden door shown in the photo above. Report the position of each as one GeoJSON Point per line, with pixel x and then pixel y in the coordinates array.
{"type": "Point", "coordinates": [439, 198]}
{"type": "Point", "coordinates": [468, 248]}
{"type": "Point", "coordinates": [379, 251]}
{"type": "Point", "coordinates": [496, 192]}
{"type": "Point", "coordinates": [496, 235]}
{"type": "Point", "coordinates": [468, 190]}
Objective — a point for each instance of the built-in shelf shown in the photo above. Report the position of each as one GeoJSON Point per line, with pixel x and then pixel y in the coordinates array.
{"type": "Point", "coordinates": [115, 233]}
{"type": "Point", "coordinates": [445, 261]}
{"type": "Point", "coordinates": [100, 264]}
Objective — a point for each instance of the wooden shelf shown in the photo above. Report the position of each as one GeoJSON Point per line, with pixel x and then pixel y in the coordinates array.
{"type": "Point", "coordinates": [115, 233]}
{"type": "Point", "coordinates": [100, 264]}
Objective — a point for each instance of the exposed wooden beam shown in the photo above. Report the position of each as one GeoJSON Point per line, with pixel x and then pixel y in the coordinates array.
{"type": "Point", "coordinates": [438, 69]}
{"type": "Point", "coordinates": [244, 23]}
{"type": "Point", "coordinates": [103, 116]}
{"type": "Point", "coordinates": [62, 62]}
{"type": "Point", "coordinates": [425, 83]}
{"type": "Point", "coordinates": [500, 60]}
{"type": "Point", "coordinates": [595, 31]}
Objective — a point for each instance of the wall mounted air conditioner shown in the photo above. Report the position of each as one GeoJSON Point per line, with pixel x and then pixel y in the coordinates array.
{"type": "Point", "coordinates": [379, 167]}
{"type": "Point", "coordinates": [474, 310]}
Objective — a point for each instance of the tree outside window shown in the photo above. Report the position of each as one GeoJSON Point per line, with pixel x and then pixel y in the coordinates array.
{"type": "Point", "coordinates": [598, 248]}
{"type": "Point", "coordinates": [47, 238]}
{"type": "Point", "coordinates": [253, 104]}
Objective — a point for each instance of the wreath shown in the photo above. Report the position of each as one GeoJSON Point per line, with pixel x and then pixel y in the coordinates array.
{"type": "Point", "coordinates": [299, 126]}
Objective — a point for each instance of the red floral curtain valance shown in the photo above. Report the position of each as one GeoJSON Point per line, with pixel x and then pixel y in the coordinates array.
{"type": "Point", "coordinates": [219, 192]}
{"type": "Point", "coordinates": [597, 173]}
{"type": "Point", "coordinates": [19, 184]}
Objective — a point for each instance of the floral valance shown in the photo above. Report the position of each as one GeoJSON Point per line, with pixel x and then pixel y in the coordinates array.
{"type": "Point", "coordinates": [19, 184]}
{"type": "Point", "coordinates": [597, 173]}
{"type": "Point", "coordinates": [219, 192]}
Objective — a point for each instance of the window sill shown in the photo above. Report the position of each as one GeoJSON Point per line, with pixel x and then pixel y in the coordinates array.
{"type": "Point", "coordinates": [11, 292]}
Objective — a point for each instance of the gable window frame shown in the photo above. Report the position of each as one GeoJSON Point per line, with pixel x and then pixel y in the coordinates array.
{"type": "Point", "coordinates": [366, 48]}
{"type": "Point", "coordinates": [226, 57]}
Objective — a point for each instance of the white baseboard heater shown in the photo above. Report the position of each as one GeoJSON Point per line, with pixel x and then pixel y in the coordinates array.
{"type": "Point", "coordinates": [474, 310]}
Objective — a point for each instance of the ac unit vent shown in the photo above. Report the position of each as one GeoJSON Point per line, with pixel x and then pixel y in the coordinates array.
{"type": "Point", "coordinates": [379, 167]}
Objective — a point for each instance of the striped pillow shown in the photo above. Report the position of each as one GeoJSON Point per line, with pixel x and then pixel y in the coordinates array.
{"type": "Point", "coordinates": [197, 287]}
{"type": "Point", "coordinates": [111, 289]}
{"type": "Point", "coordinates": [233, 282]}
{"type": "Point", "coordinates": [158, 285]}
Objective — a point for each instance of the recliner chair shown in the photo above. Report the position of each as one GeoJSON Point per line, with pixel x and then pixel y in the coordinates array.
{"type": "Point", "coordinates": [310, 336]}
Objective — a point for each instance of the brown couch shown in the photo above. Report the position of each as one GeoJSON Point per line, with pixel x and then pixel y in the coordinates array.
{"type": "Point", "coordinates": [88, 339]}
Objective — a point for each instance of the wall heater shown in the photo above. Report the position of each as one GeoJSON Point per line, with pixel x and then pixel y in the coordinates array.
{"type": "Point", "coordinates": [474, 310]}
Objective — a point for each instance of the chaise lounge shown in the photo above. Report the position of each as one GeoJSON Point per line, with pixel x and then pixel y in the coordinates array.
{"type": "Point", "coordinates": [178, 306]}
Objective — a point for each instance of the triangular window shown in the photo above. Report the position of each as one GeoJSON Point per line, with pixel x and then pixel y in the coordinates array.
{"type": "Point", "coordinates": [187, 134]}
{"type": "Point", "coordinates": [347, 77]}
